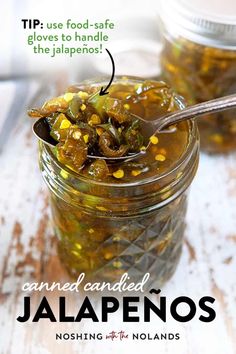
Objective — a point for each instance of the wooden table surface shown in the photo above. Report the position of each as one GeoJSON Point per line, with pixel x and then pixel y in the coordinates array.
{"type": "Point", "coordinates": [28, 254]}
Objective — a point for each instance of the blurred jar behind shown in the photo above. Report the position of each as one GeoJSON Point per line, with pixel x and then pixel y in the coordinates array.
{"type": "Point", "coordinates": [199, 61]}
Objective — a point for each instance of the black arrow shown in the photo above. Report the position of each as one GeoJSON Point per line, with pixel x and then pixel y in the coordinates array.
{"type": "Point", "coordinates": [104, 91]}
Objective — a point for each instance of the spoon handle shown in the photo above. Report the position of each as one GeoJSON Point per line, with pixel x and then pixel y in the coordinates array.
{"type": "Point", "coordinates": [212, 106]}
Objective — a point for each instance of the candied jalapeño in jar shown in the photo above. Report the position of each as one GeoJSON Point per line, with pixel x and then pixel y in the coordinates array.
{"type": "Point", "coordinates": [117, 217]}
{"type": "Point", "coordinates": [199, 61]}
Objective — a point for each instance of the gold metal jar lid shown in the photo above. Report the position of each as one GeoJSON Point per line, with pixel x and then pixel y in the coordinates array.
{"type": "Point", "coordinates": [207, 22]}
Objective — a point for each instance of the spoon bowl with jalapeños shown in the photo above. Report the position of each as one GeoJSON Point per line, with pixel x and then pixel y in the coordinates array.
{"type": "Point", "coordinates": [112, 213]}
{"type": "Point", "coordinates": [126, 136]}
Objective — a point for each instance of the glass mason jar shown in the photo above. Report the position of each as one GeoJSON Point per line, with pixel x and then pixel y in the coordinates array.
{"type": "Point", "coordinates": [199, 61]}
{"type": "Point", "coordinates": [107, 229]}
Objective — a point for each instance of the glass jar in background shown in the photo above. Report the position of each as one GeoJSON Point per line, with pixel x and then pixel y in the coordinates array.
{"type": "Point", "coordinates": [199, 61]}
{"type": "Point", "coordinates": [106, 229]}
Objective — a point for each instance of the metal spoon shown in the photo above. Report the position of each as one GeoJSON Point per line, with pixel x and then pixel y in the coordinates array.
{"type": "Point", "coordinates": [149, 128]}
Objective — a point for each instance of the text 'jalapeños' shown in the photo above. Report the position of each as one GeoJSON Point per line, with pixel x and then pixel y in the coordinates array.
{"type": "Point", "coordinates": [133, 309]}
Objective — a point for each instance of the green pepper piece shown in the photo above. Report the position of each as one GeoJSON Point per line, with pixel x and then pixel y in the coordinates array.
{"type": "Point", "coordinates": [109, 127]}
{"type": "Point", "coordinates": [73, 110]}
{"type": "Point", "coordinates": [107, 148]}
{"type": "Point", "coordinates": [98, 169]}
{"type": "Point", "coordinates": [115, 109]}
{"type": "Point", "coordinates": [88, 130]}
{"type": "Point", "coordinates": [134, 139]}
{"type": "Point", "coordinates": [72, 153]}
{"type": "Point", "coordinates": [57, 131]}
{"type": "Point", "coordinates": [176, 50]}
{"type": "Point", "coordinates": [97, 102]}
